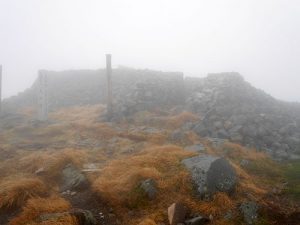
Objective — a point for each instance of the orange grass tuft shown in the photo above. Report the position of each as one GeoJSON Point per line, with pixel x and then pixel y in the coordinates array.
{"type": "Point", "coordinates": [38, 206]}
{"type": "Point", "coordinates": [219, 205]}
{"type": "Point", "coordinates": [52, 162]}
{"type": "Point", "coordinates": [180, 119]}
{"type": "Point", "coordinates": [147, 222]}
{"type": "Point", "coordinates": [237, 152]}
{"type": "Point", "coordinates": [14, 191]}
{"type": "Point", "coordinates": [120, 177]}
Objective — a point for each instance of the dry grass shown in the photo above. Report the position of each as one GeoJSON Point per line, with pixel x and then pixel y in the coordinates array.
{"type": "Point", "coordinates": [14, 191]}
{"type": "Point", "coordinates": [155, 138]}
{"type": "Point", "coordinates": [120, 178]}
{"type": "Point", "coordinates": [220, 204]}
{"type": "Point", "coordinates": [38, 206]}
{"type": "Point", "coordinates": [180, 119]}
{"type": "Point", "coordinates": [79, 114]}
{"type": "Point", "coordinates": [147, 222]}
{"type": "Point", "coordinates": [237, 152]}
{"type": "Point", "coordinates": [52, 162]}
{"type": "Point", "coordinates": [166, 121]}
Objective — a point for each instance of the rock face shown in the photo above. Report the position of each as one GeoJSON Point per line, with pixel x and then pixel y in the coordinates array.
{"type": "Point", "coordinates": [211, 174]}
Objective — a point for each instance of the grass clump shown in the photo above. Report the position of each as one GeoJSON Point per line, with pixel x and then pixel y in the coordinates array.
{"type": "Point", "coordinates": [52, 162]}
{"type": "Point", "coordinates": [35, 207]}
{"type": "Point", "coordinates": [14, 191]}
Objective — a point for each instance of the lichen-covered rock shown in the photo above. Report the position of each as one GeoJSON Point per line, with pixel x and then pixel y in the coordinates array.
{"type": "Point", "coordinates": [211, 174]}
{"type": "Point", "coordinates": [249, 211]}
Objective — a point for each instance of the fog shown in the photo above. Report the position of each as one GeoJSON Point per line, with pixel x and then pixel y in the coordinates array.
{"type": "Point", "coordinates": [257, 38]}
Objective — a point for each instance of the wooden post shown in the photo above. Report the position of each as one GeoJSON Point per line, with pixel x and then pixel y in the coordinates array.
{"type": "Point", "coordinates": [0, 88]}
{"type": "Point", "coordinates": [109, 86]}
{"type": "Point", "coordinates": [42, 97]}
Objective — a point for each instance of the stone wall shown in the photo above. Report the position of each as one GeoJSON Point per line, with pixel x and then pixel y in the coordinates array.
{"type": "Point", "coordinates": [229, 107]}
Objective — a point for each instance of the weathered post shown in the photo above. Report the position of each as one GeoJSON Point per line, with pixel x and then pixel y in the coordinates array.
{"type": "Point", "coordinates": [42, 97]}
{"type": "Point", "coordinates": [0, 88]}
{"type": "Point", "coordinates": [109, 86]}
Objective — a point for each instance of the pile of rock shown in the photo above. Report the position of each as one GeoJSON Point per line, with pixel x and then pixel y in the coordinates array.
{"type": "Point", "coordinates": [232, 109]}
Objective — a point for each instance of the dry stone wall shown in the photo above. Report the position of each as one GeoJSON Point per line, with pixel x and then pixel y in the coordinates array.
{"type": "Point", "coordinates": [229, 107]}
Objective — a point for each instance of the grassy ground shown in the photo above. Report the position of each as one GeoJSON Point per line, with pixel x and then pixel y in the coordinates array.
{"type": "Point", "coordinates": [126, 153]}
{"type": "Point", "coordinates": [292, 175]}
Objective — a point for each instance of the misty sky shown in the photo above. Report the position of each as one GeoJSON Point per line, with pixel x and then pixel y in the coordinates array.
{"type": "Point", "coordinates": [258, 38]}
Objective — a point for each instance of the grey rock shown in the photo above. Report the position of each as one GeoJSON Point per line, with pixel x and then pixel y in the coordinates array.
{"type": "Point", "coordinates": [73, 179]}
{"type": "Point", "coordinates": [244, 163]}
{"type": "Point", "coordinates": [195, 148]}
{"type": "Point", "coordinates": [249, 211]}
{"type": "Point", "coordinates": [217, 142]}
{"type": "Point", "coordinates": [211, 174]}
{"type": "Point", "coordinates": [149, 187]}
{"type": "Point", "coordinates": [84, 217]}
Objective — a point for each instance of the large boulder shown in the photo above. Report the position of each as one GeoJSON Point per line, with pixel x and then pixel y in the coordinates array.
{"type": "Point", "coordinates": [211, 174]}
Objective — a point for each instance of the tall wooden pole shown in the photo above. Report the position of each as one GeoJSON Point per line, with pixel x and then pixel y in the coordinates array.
{"type": "Point", "coordinates": [109, 86]}
{"type": "Point", "coordinates": [0, 88]}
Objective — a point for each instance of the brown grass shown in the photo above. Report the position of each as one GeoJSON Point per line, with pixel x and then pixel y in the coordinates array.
{"type": "Point", "coordinates": [237, 152]}
{"type": "Point", "coordinates": [14, 191]}
{"type": "Point", "coordinates": [38, 206]}
{"type": "Point", "coordinates": [120, 177]}
{"type": "Point", "coordinates": [220, 204]}
{"type": "Point", "coordinates": [51, 161]}
{"type": "Point", "coordinates": [156, 138]}
{"type": "Point", "coordinates": [180, 119]}
{"type": "Point", "coordinates": [147, 222]}
{"type": "Point", "coordinates": [79, 114]}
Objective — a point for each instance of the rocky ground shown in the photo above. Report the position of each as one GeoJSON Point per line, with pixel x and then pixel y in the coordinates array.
{"type": "Point", "coordinates": [149, 168]}
{"type": "Point", "coordinates": [227, 106]}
